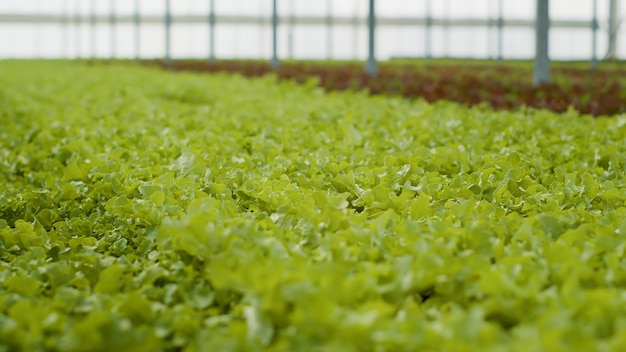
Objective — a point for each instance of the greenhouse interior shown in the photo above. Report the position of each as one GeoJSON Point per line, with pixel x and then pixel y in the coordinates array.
{"type": "Point", "coordinates": [331, 175]}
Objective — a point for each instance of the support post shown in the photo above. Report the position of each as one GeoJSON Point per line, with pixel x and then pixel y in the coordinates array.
{"type": "Point", "coordinates": [541, 71]}
{"type": "Point", "coordinates": [446, 37]}
{"type": "Point", "coordinates": [329, 29]}
{"type": "Point", "coordinates": [78, 35]}
{"type": "Point", "coordinates": [275, 63]}
{"type": "Point", "coordinates": [137, 20]}
{"type": "Point", "coordinates": [355, 31]}
{"type": "Point", "coordinates": [594, 35]}
{"type": "Point", "coordinates": [112, 21]}
{"type": "Point", "coordinates": [613, 29]}
{"type": "Point", "coordinates": [168, 25]}
{"type": "Point", "coordinates": [92, 28]}
{"type": "Point", "coordinates": [371, 67]}
{"type": "Point", "coordinates": [500, 30]}
{"type": "Point", "coordinates": [429, 30]}
{"type": "Point", "coordinates": [292, 14]}
{"type": "Point", "coordinates": [211, 31]}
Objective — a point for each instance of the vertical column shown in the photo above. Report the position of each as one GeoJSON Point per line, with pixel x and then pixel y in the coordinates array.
{"type": "Point", "coordinates": [371, 67]}
{"type": "Point", "coordinates": [292, 14]}
{"type": "Point", "coordinates": [137, 20]}
{"type": "Point", "coordinates": [112, 21]}
{"type": "Point", "coordinates": [355, 30]}
{"type": "Point", "coordinates": [65, 31]}
{"type": "Point", "coordinates": [428, 41]}
{"type": "Point", "coordinates": [211, 30]}
{"type": "Point", "coordinates": [92, 28]}
{"type": "Point", "coordinates": [275, 63]}
{"type": "Point", "coordinates": [613, 27]}
{"type": "Point", "coordinates": [168, 25]}
{"type": "Point", "coordinates": [491, 23]}
{"type": "Point", "coordinates": [500, 30]}
{"type": "Point", "coordinates": [446, 38]}
{"type": "Point", "coordinates": [541, 71]}
{"type": "Point", "coordinates": [594, 36]}
{"type": "Point", "coordinates": [329, 29]}
{"type": "Point", "coordinates": [78, 33]}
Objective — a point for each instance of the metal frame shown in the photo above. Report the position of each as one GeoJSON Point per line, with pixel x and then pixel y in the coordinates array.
{"type": "Point", "coordinates": [212, 31]}
{"type": "Point", "coordinates": [275, 62]}
{"type": "Point", "coordinates": [137, 21]}
{"type": "Point", "coordinates": [113, 25]}
{"type": "Point", "coordinates": [371, 67]}
{"type": "Point", "coordinates": [168, 34]}
{"type": "Point", "coordinates": [92, 24]}
{"type": "Point", "coordinates": [541, 70]}
{"type": "Point", "coordinates": [75, 15]}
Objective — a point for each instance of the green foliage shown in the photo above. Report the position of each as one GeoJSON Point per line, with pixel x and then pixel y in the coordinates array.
{"type": "Point", "coordinates": [143, 210]}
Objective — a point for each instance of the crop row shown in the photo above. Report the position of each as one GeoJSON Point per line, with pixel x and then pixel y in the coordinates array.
{"type": "Point", "coordinates": [145, 210]}
{"type": "Point", "coordinates": [502, 86]}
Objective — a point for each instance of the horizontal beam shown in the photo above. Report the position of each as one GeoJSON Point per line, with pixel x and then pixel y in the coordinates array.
{"type": "Point", "coordinates": [300, 20]}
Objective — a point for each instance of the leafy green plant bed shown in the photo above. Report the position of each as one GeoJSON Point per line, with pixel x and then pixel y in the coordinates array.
{"type": "Point", "coordinates": [500, 85]}
{"type": "Point", "coordinates": [146, 210]}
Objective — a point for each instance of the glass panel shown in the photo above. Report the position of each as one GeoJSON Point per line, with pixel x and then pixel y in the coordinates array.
{"type": "Point", "coordinates": [52, 38]}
